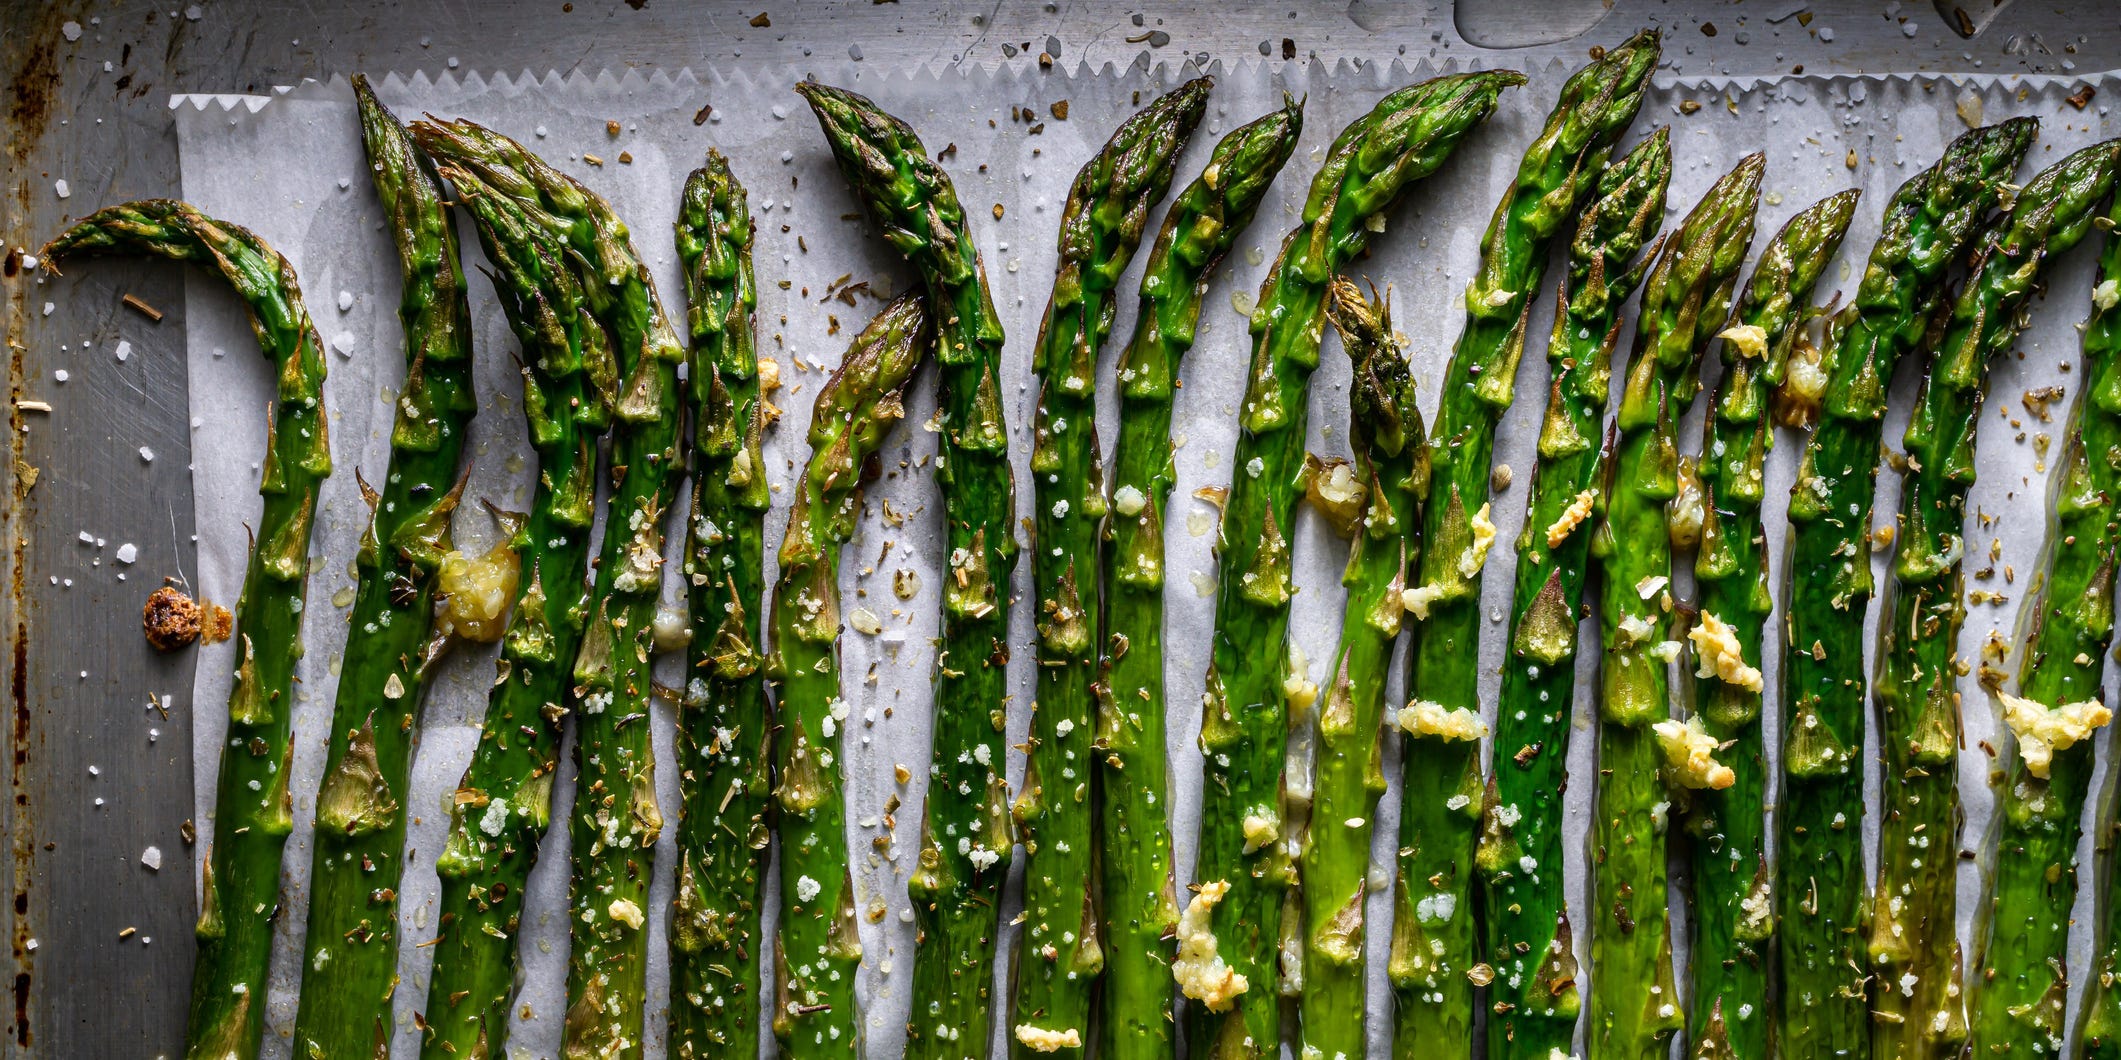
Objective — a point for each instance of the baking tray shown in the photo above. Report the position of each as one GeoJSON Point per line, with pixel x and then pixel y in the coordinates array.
{"type": "Point", "coordinates": [87, 106]}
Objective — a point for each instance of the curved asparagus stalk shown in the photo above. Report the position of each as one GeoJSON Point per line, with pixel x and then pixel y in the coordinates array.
{"type": "Point", "coordinates": [503, 805]}
{"type": "Point", "coordinates": [240, 877]}
{"type": "Point", "coordinates": [350, 954]}
{"type": "Point", "coordinates": [1733, 905]}
{"type": "Point", "coordinates": [966, 834]}
{"type": "Point", "coordinates": [617, 820]}
{"type": "Point", "coordinates": [1140, 914]}
{"type": "Point", "coordinates": [1526, 933]}
{"type": "Point", "coordinates": [1227, 940]}
{"type": "Point", "coordinates": [2022, 934]}
{"type": "Point", "coordinates": [1058, 956]}
{"type": "Point", "coordinates": [1433, 947]}
{"type": "Point", "coordinates": [1819, 884]}
{"type": "Point", "coordinates": [1634, 1004]}
{"type": "Point", "coordinates": [716, 942]}
{"type": "Point", "coordinates": [1391, 470]}
{"type": "Point", "coordinates": [2085, 538]}
{"type": "Point", "coordinates": [817, 947]}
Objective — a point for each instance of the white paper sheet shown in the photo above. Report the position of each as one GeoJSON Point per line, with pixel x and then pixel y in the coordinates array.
{"type": "Point", "coordinates": [290, 167]}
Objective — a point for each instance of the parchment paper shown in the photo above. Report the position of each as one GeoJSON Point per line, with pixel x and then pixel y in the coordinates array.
{"type": "Point", "coordinates": [290, 167]}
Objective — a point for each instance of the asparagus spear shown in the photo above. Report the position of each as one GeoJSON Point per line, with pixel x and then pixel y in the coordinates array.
{"type": "Point", "coordinates": [503, 804]}
{"type": "Point", "coordinates": [2085, 539]}
{"type": "Point", "coordinates": [818, 948]}
{"type": "Point", "coordinates": [616, 817]}
{"type": "Point", "coordinates": [1227, 938]}
{"type": "Point", "coordinates": [1058, 954]}
{"type": "Point", "coordinates": [1634, 1005]}
{"type": "Point", "coordinates": [1526, 933]}
{"type": "Point", "coordinates": [966, 836]}
{"type": "Point", "coordinates": [2022, 933]}
{"type": "Point", "coordinates": [1140, 914]}
{"type": "Point", "coordinates": [1819, 885]}
{"type": "Point", "coordinates": [715, 936]}
{"type": "Point", "coordinates": [350, 954]}
{"type": "Point", "coordinates": [1391, 474]}
{"type": "Point", "coordinates": [240, 877]}
{"type": "Point", "coordinates": [1732, 901]}
{"type": "Point", "coordinates": [1433, 948]}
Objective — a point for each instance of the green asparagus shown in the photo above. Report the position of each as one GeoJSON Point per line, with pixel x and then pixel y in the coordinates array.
{"type": "Point", "coordinates": [1390, 473]}
{"type": "Point", "coordinates": [1634, 1004]}
{"type": "Point", "coordinates": [1433, 948]}
{"type": "Point", "coordinates": [967, 835]}
{"type": "Point", "coordinates": [1727, 830]}
{"type": "Point", "coordinates": [1819, 885]}
{"type": "Point", "coordinates": [716, 942]}
{"type": "Point", "coordinates": [1058, 954]}
{"type": "Point", "coordinates": [350, 954]}
{"type": "Point", "coordinates": [818, 946]}
{"type": "Point", "coordinates": [1526, 929]}
{"type": "Point", "coordinates": [240, 875]}
{"type": "Point", "coordinates": [1228, 935]}
{"type": "Point", "coordinates": [2021, 985]}
{"type": "Point", "coordinates": [503, 804]}
{"type": "Point", "coordinates": [2086, 538]}
{"type": "Point", "coordinates": [616, 817]}
{"type": "Point", "coordinates": [1140, 913]}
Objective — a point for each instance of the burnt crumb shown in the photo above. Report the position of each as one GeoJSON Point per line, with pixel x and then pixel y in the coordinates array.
{"type": "Point", "coordinates": [170, 619]}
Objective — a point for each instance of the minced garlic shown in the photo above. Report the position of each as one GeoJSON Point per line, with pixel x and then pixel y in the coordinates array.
{"type": "Point", "coordinates": [1750, 340]}
{"type": "Point", "coordinates": [1721, 656]}
{"type": "Point", "coordinates": [1690, 755]}
{"type": "Point", "coordinates": [1259, 831]}
{"type": "Point", "coordinates": [1476, 554]}
{"type": "Point", "coordinates": [2042, 730]}
{"type": "Point", "coordinates": [1418, 599]}
{"type": "Point", "coordinates": [477, 593]}
{"type": "Point", "coordinates": [1296, 684]}
{"type": "Point", "coordinates": [1425, 717]}
{"type": "Point", "coordinates": [1039, 1039]}
{"type": "Point", "coordinates": [1571, 518]}
{"type": "Point", "coordinates": [627, 913]}
{"type": "Point", "coordinates": [1199, 970]}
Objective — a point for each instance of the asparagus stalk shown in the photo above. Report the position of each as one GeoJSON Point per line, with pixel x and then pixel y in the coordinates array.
{"type": "Point", "coordinates": [2022, 984]}
{"type": "Point", "coordinates": [818, 947]}
{"type": "Point", "coordinates": [1526, 928]}
{"type": "Point", "coordinates": [240, 877]}
{"type": "Point", "coordinates": [1058, 955]}
{"type": "Point", "coordinates": [1433, 949]}
{"type": "Point", "coordinates": [503, 804]}
{"type": "Point", "coordinates": [966, 835]}
{"type": "Point", "coordinates": [1228, 937]}
{"type": "Point", "coordinates": [2085, 539]}
{"type": "Point", "coordinates": [1819, 884]}
{"type": "Point", "coordinates": [1634, 1004]}
{"type": "Point", "coordinates": [1391, 473]}
{"type": "Point", "coordinates": [1732, 901]}
{"type": "Point", "coordinates": [350, 954]}
{"type": "Point", "coordinates": [715, 936]}
{"type": "Point", "coordinates": [1134, 840]}
{"type": "Point", "coordinates": [616, 817]}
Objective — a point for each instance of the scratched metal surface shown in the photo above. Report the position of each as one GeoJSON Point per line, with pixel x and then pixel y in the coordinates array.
{"type": "Point", "coordinates": [91, 111]}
